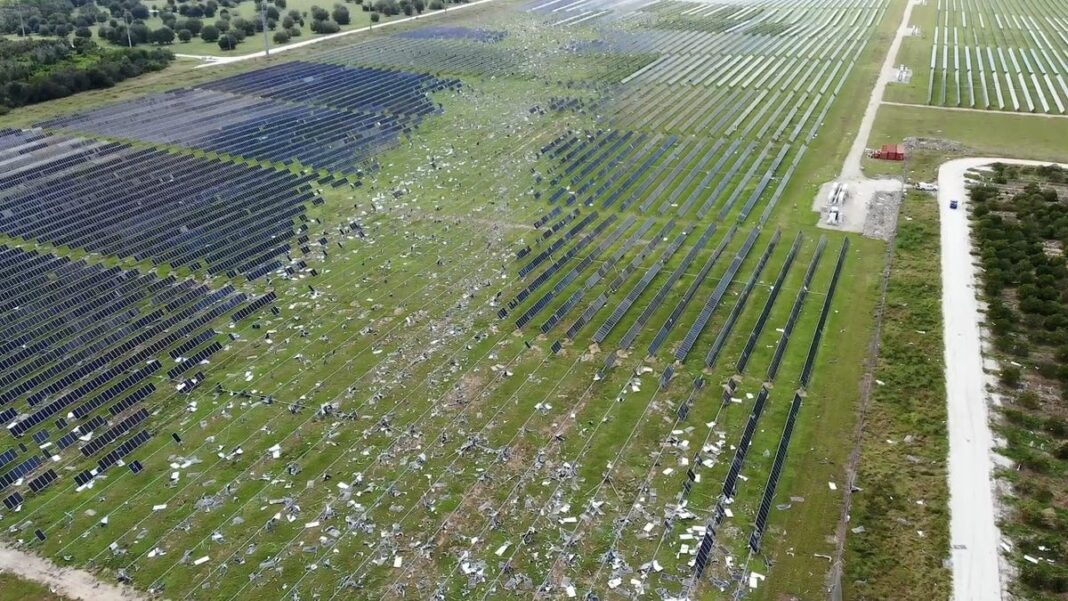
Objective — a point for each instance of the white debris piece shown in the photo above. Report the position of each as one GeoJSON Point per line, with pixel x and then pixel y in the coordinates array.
{"type": "Point", "coordinates": [159, 507]}
{"type": "Point", "coordinates": [501, 549]}
{"type": "Point", "coordinates": [202, 560]}
{"type": "Point", "coordinates": [832, 486]}
{"type": "Point", "coordinates": [755, 579]}
{"type": "Point", "coordinates": [397, 561]}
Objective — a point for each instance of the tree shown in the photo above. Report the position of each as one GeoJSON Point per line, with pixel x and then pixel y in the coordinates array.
{"type": "Point", "coordinates": [325, 27]}
{"type": "Point", "coordinates": [141, 33]}
{"type": "Point", "coordinates": [281, 37]}
{"type": "Point", "coordinates": [273, 13]}
{"type": "Point", "coordinates": [319, 14]}
{"type": "Point", "coordinates": [280, 4]}
{"type": "Point", "coordinates": [406, 7]}
{"type": "Point", "coordinates": [83, 32]}
{"type": "Point", "coordinates": [226, 41]}
{"type": "Point", "coordinates": [288, 22]}
{"type": "Point", "coordinates": [294, 32]}
{"type": "Point", "coordinates": [193, 25]}
{"type": "Point", "coordinates": [436, 5]}
{"type": "Point", "coordinates": [185, 35]}
{"type": "Point", "coordinates": [163, 35]}
{"type": "Point", "coordinates": [419, 5]}
{"type": "Point", "coordinates": [222, 25]}
{"type": "Point", "coordinates": [375, 17]}
{"type": "Point", "coordinates": [210, 33]}
{"type": "Point", "coordinates": [139, 11]}
{"type": "Point", "coordinates": [244, 25]}
{"type": "Point", "coordinates": [210, 8]}
{"type": "Point", "coordinates": [341, 14]}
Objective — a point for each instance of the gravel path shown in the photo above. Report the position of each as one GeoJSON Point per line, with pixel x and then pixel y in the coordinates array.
{"type": "Point", "coordinates": [76, 584]}
{"type": "Point", "coordinates": [974, 534]}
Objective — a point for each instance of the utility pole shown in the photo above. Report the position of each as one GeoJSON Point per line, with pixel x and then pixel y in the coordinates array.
{"type": "Point", "coordinates": [128, 17]}
{"type": "Point", "coordinates": [22, 25]}
{"type": "Point", "coordinates": [263, 22]}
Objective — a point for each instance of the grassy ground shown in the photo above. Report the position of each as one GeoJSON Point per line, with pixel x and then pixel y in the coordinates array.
{"type": "Point", "coordinates": [13, 588]}
{"type": "Point", "coordinates": [902, 507]}
{"type": "Point", "coordinates": [968, 134]}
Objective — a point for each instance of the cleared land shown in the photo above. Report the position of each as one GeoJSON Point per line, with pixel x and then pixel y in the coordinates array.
{"type": "Point", "coordinates": [521, 333]}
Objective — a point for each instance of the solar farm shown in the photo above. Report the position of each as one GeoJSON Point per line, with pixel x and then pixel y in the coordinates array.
{"type": "Point", "coordinates": [522, 302]}
{"type": "Point", "coordinates": [1007, 56]}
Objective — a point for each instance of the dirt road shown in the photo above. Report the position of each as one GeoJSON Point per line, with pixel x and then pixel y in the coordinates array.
{"type": "Point", "coordinates": [974, 535]}
{"type": "Point", "coordinates": [76, 584]}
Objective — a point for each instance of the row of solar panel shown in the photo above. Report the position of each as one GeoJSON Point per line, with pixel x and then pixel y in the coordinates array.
{"type": "Point", "coordinates": [576, 271]}
{"type": "Point", "coordinates": [802, 294]}
{"type": "Point", "coordinates": [577, 296]}
{"type": "Point", "coordinates": [557, 266]}
{"type": "Point", "coordinates": [658, 299]}
{"type": "Point", "coordinates": [636, 291]}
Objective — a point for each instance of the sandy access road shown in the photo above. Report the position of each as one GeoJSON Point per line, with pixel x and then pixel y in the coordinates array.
{"type": "Point", "coordinates": [76, 584]}
{"type": "Point", "coordinates": [974, 534]}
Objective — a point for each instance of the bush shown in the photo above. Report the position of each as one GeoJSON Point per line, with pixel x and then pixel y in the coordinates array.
{"type": "Point", "coordinates": [387, 7]}
{"type": "Point", "coordinates": [341, 15]}
{"type": "Point", "coordinates": [281, 37]}
{"type": "Point", "coordinates": [374, 17]}
{"type": "Point", "coordinates": [193, 25]}
{"type": "Point", "coordinates": [294, 32]}
{"type": "Point", "coordinates": [1010, 376]}
{"type": "Point", "coordinates": [319, 14]}
{"type": "Point", "coordinates": [83, 32]}
{"type": "Point", "coordinates": [227, 42]}
{"type": "Point", "coordinates": [210, 33]}
{"type": "Point", "coordinates": [436, 5]}
{"type": "Point", "coordinates": [325, 27]}
{"type": "Point", "coordinates": [163, 35]}
{"type": "Point", "coordinates": [185, 35]}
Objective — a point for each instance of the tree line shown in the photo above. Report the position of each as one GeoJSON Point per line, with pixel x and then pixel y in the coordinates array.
{"type": "Point", "coordinates": [37, 70]}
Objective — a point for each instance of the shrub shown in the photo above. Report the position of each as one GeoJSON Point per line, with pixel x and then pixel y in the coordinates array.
{"type": "Point", "coordinates": [210, 33]}
{"type": "Point", "coordinates": [341, 14]}
{"type": "Point", "coordinates": [185, 35]}
{"type": "Point", "coordinates": [163, 35]}
{"type": "Point", "coordinates": [227, 42]}
{"type": "Point", "coordinates": [281, 37]}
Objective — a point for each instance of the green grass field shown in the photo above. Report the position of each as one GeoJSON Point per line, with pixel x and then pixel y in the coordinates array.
{"type": "Point", "coordinates": [13, 588]}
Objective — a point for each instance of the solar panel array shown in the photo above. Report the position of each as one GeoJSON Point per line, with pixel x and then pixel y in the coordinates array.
{"type": "Point", "coordinates": [453, 32]}
{"type": "Point", "coordinates": [309, 114]}
{"type": "Point", "coordinates": [82, 345]}
{"type": "Point", "coordinates": [449, 56]}
{"type": "Point", "coordinates": [358, 89]}
{"type": "Point", "coordinates": [148, 204]}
